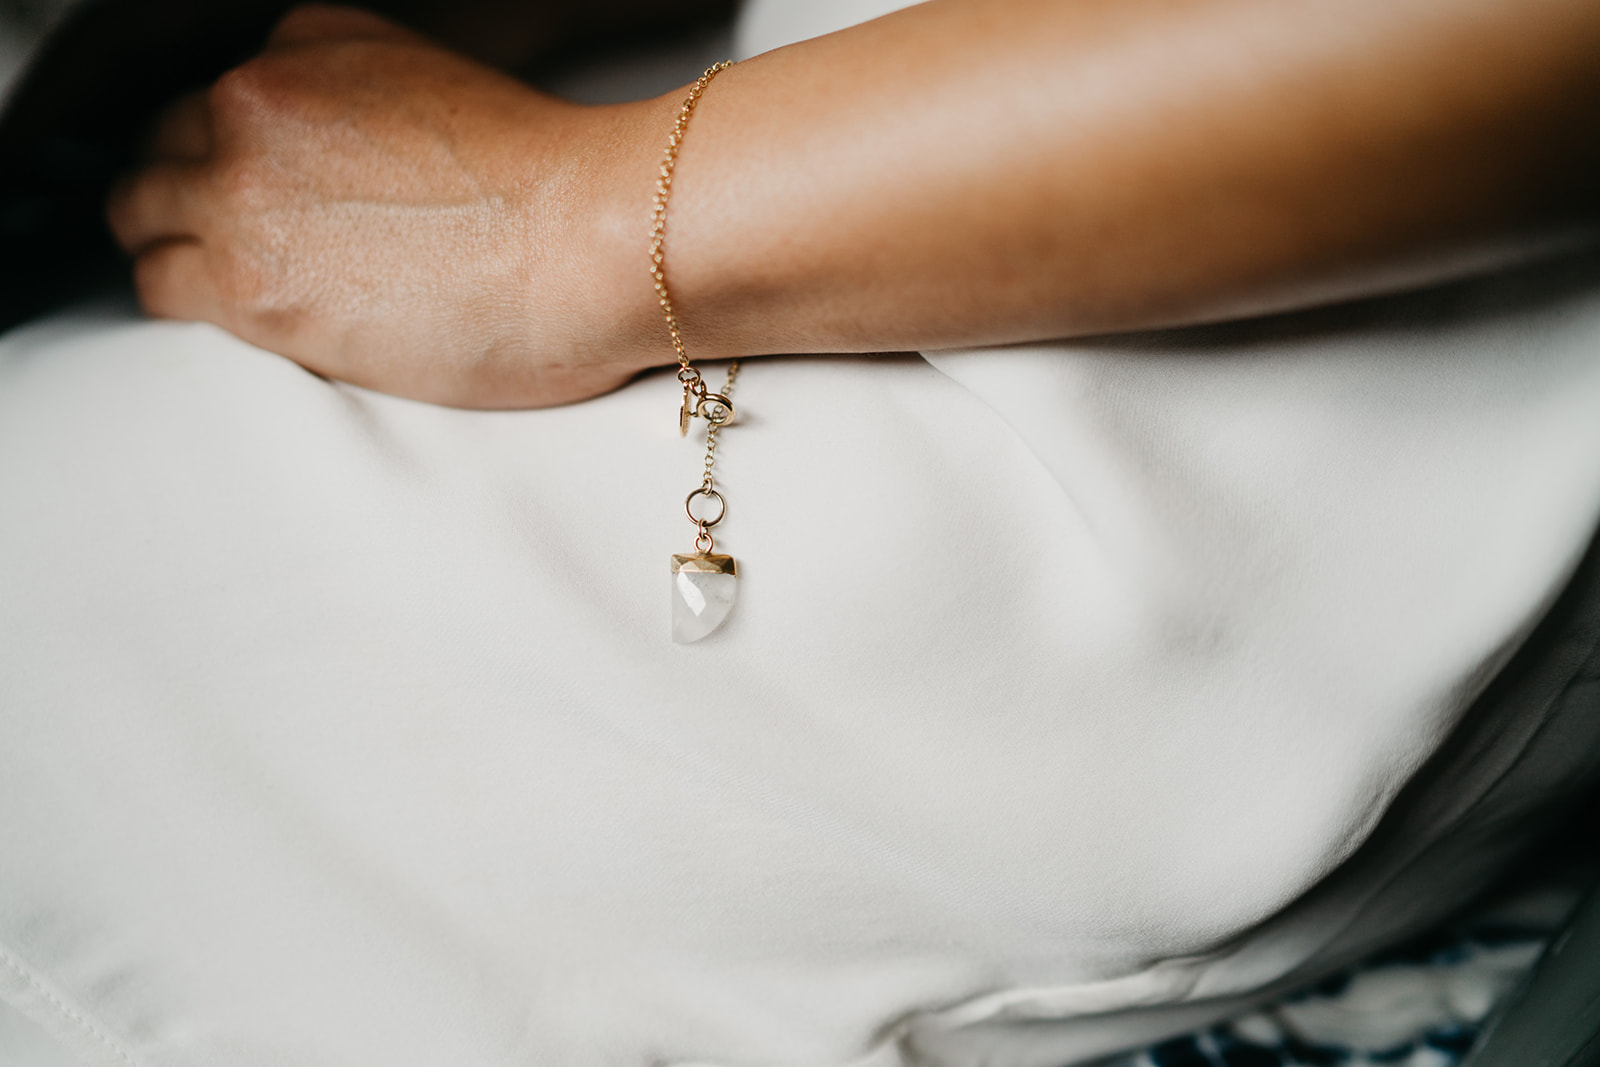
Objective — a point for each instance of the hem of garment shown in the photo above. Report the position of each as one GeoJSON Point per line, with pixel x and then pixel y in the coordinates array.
{"type": "Point", "coordinates": [35, 998]}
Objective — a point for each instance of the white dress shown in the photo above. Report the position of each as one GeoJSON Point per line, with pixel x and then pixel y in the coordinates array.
{"type": "Point", "coordinates": [1066, 680]}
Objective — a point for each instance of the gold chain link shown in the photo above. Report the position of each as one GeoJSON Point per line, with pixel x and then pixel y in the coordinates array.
{"type": "Point", "coordinates": [716, 408]}
{"type": "Point", "coordinates": [658, 220]}
{"type": "Point", "coordinates": [708, 486]}
{"type": "Point", "coordinates": [716, 426]}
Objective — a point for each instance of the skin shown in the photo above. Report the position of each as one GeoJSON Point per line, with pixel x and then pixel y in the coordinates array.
{"type": "Point", "coordinates": [962, 172]}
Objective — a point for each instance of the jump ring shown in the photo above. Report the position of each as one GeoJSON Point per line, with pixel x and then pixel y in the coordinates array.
{"type": "Point", "coordinates": [715, 408]}
{"type": "Point", "coordinates": [688, 509]}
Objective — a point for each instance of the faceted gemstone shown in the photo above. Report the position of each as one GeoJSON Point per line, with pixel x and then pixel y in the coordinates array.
{"type": "Point", "coordinates": [703, 590]}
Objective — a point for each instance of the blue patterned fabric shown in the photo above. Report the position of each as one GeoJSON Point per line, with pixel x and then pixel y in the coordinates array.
{"type": "Point", "coordinates": [1223, 1046]}
{"type": "Point", "coordinates": [1419, 1005]}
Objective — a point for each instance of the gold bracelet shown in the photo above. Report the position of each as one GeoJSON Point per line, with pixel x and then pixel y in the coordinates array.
{"type": "Point", "coordinates": [704, 584]}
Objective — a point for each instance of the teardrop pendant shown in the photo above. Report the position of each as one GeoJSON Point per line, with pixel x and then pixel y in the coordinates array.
{"type": "Point", "coordinates": [704, 586]}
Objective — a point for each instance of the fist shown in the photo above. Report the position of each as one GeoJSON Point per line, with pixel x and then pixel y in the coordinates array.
{"type": "Point", "coordinates": [390, 214]}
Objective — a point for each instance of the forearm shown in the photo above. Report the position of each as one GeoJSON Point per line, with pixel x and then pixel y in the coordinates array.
{"type": "Point", "coordinates": [965, 172]}
{"type": "Point", "coordinates": [959, 173]}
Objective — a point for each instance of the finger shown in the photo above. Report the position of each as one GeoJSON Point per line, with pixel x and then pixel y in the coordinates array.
{"type": "Point", "coordinates": [183, 132]}
{"type": "Point", "coordinates": [160, 203]}
{"type": "Point", "coordinates": [174, 281]}
{"type": "Point", "coordinates": [328, 22]}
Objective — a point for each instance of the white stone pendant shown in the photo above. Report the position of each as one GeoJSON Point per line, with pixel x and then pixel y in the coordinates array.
{"type": "Point", "coordinates": [703, 590]}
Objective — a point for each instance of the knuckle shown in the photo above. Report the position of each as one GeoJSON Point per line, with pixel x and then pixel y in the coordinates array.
{"type": "Point", "coordinates": [236, 91]}
{"type": "Point", "coordinates": [308, 18]}
{"type": "Point", "coordinates": [255, 92]}
{"type": "Point", "coordinates": [239, 182]}
{"type": "Point", "coordinates": [321, 21]}
{"type": "Point", "coordinates": [247, 283]}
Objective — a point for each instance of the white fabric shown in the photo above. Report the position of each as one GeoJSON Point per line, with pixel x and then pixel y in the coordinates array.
{"type": "Point", "coordinates": [340, 729]}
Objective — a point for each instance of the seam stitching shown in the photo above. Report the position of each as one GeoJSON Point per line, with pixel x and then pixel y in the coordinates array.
{"type": "Point", "coordinates": [67, 1011]}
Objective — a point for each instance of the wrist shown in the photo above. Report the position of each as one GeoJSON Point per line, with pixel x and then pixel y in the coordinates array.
{"type": "Point", "coordinates": [628, 324]}
{"type": "Point", "coordinates": [592, 316]}
{"type": "Point", "coordinates": [572, 312]}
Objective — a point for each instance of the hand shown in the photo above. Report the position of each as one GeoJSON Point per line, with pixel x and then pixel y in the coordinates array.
{"type": "Point", "coordinates": [388, 213]}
